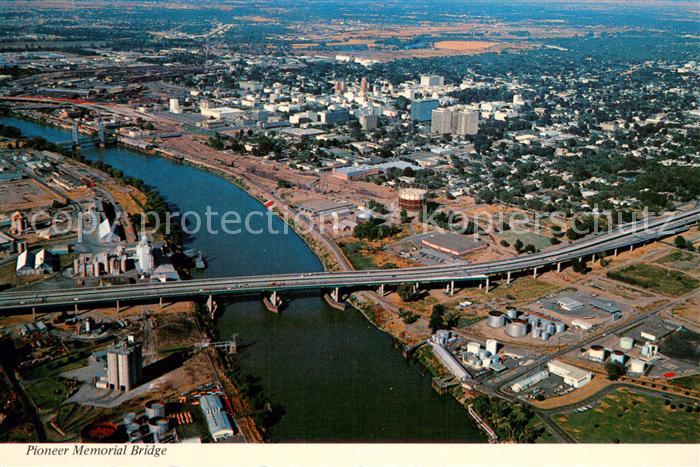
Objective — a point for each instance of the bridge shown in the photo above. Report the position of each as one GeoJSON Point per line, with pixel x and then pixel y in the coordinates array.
{"type": "Point", "coordinates": [624, 237]}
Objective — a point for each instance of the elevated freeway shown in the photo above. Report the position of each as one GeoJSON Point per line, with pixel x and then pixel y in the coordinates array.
{"type": "Point", "coordinates": [624, 237]}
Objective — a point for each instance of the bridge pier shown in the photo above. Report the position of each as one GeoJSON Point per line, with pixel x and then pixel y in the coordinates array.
{"type": "Point", "coordinates": [118, 307]}
{"type": "Point", "coordinates": [631, 247]}
{"type": "Point", "coordinates": [380, 291]}
{"type": "Point", "coordinates": [451, 288]}
{"type": "Point", "coordinates": [415, 287]}
{"type": "Point", "coordinates": [534, 273]}
{"type": "Point", "coordinates": [559, 267]}
{"type": "Point", "coordinates": [33, 313]}
{"type": "Point", "coordinates": [273, 303]}
{"type": "Point", "coordinates": [508, 278]}
{"type": "Point", "coordinates": [335, 295]}
{"type": "Point", "coordinates": [487, 285]}
{"type": "Point", "coordinates": [615, 252]}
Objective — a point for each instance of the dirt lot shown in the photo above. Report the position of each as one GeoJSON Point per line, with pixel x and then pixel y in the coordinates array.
{"type": "Point", "coordinates": [25, 195]}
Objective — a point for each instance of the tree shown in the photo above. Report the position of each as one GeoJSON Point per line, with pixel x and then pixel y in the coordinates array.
{"type": "Point", "coordinates": [436, 318]}
{"type": "Point", "coordinates": [407, 292]}
{"type": "Point", "coordinates": [679, 241]}
{"type": "Point", "coordinates": [615, 370]}
{"type": "Point", "coordinates": [580, 266]}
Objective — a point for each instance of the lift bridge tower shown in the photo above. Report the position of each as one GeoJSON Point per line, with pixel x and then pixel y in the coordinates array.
{"type": "Point", "coordinates": [101, 133]}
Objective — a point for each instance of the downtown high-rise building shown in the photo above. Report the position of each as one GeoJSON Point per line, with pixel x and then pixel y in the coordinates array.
{"type": "Point", "coordinates": [455, 121]}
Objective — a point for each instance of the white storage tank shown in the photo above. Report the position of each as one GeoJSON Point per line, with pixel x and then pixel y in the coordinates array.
{"type": "Point", "coordinates": [129, 418]}
{"type": "Point", "coordinates": [627, 343]}
{"type": "Point", "coordinates": [560, 327]}
{"type": "Point", "coordinates": [512, 313]}
{"type": "Point", "coordinates": [496, 320]}
{"type": "Point", "coordinates": [545, 336]}
{"type": "Point", "coordinates": [517, 328]}
{"type": "Point", "coordinates": [596, 352]}
{"type": "Point", "coordinates": [617, 356]}
{"type": "Point", "coordinates": [158, 425]}
{"type": "Point", "coordinates": [473, 347]}
{"type": "Point", "coordinates": [637, 366]}
{"type": "Point", "coordinates": [155, 409]}
{"type": "Point", "coordinates": [492, 346]}
{"type": "Point", "coordinates": [484, 354]}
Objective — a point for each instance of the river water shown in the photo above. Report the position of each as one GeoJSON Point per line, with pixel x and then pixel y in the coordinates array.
{"type": "Point", "coordinates": [337, 377]}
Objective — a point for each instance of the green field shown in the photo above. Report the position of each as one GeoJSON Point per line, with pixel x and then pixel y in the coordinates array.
{"type": "Point", "coordinates": [627, 417]}
{"type": "Point", "coordinates": [680, 259]}
{"type": "Point", "coordinates": [354, 253]}
{"type": "Point", "coordinates": [511, 236]}
{"type": "Point", "coordinates": [47, 394]}
{"type": "Point", "coordinates": [688, 382]}
{"type": "Point", "coordinates": [655, 278]}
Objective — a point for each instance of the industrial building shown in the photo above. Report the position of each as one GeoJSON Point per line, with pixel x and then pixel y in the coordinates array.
{"type": "Point", "coordinates": [574, 377]}
{"type": "Point", "coordinates": [218, 421]}
{"type": "Point", "coordinates": [124, 366]}
{"type": "Point", "coordinates": [528, 381]}
{"type": "Point", "coordinates": [30, 264]}
{"type": "Point", "coordinates": [452, 243]}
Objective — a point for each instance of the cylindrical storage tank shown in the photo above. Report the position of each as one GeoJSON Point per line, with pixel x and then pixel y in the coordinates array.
{"type": "Point", "coordinates": [412, 198]}
{"type": "Point", "coordinates": [535, 333]}
{"type": "Point", "coordinates": [512, 313]}
{"type": "Point", "coordinates": [492, 346]}
{"type": "Point", "coordinates": [534, 321]}
{"type": "Point", "coordinates": [550, 328]}
{"type": "Point", "coordinates": [596, 352]}
{"type": "Point", "coordinates": [154, 409]}
{"type": "Point", "coordinates": [559, 327]}
{"type": "Point", "coordinates": [637, 366]}
{"type": "Point", "coordinates": [617, 356]}
{"type": "Point", "coordinates": [545, 336]}
{"type": "Point", "coordinates": [129, 418]}
{"type": "Point", "coordinates": [496, 320]}
{"type": "Point", "coordinates": [133, 431]}
{"type": "Point", "coordinates": [158, 425]}
{"type": "Point", "coordinates": [517, 328]}
{"type": "Point", "coordinates": [486, 361]}
{"type": "Point", "coordinates": [473, 347]}
{"type": "Point", "coordinates": [483, 354]}
{"type": "Point", "coordinates": [627, 343]}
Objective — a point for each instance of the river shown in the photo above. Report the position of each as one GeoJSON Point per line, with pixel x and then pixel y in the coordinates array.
{"type": "Point", "coordinates": [338, 378]}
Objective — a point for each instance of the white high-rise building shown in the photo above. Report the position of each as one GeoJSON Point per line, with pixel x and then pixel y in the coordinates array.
{"type": "Point", "coordinates": [441, 122]}
{"type": "Point", "coordinates": [465, 122]}
{"type": "Point", "coordinates": [174, 106]}
{"type": "Point", "coordinates": [430, 81]}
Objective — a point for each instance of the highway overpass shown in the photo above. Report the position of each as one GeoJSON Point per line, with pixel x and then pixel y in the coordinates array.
{"type": "Point", "coordinates": [624, 237]}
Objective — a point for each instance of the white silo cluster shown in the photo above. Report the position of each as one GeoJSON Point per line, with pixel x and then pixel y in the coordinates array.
{"type": "Point", "coordinates": [518, 326]}
{"type": "Point", "coordinates": [149, 427]}
{"type": "Point", "coordinates": [477, 356]}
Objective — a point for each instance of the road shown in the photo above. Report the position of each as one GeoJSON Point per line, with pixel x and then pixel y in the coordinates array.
{"type": "Point", "coordinates": [625, 236]}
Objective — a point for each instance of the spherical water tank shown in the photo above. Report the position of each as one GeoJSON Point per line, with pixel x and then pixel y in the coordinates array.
{"type": "Point", "coordinates": [617, 356]}
{"type": "Point", "coordinates": [512, 313]}
{"type": "Point", "coordinates": [517, 328]}
{"type": "Point", "coordinates": [154, 409]}
{"type": "Point", "coordinates": [496, 320]}
{"type": "Point", "coordinates": [627, 343]}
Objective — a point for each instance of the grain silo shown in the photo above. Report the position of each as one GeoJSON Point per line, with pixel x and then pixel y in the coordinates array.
{"type": "Point", "coordinates": [617, 356]}
{"type": "Point", "coordinates": [473, 347]}
{"type": "Point", "coordinates": [637, 366]}
{"type": "Point", "coordinates": [492, 346]}
{"type": "Point", "coordinates": [511, 312]}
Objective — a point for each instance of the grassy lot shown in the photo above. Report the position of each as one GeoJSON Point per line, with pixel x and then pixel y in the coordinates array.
{"type": "Point", "coordinates": [688, 382]}
{"type": "Point", "coordinates": [355, 254]}
{"type": "Point", "coordinates": [524, 288]}
{"type": "Point", "coordinates": [426, 356]}
{"type": "Point", "coordinates": [47, 393]}
{"type": "Point", "coordinates": [511, 236]}
{"type": "Point", "coordinates": [659, 280]}
{"type": "Point", "coordinates": [681, 259]}
{"type": "Point", "coordinates": [55, 367]}
{"type": "Point", "coordinates": [626, 417]}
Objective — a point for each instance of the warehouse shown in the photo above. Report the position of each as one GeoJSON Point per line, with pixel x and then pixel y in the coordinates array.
{"type": "Point", "coordinates": [572, 376]}
{"type": "Point", "coordinates": [218, 422]}
{"type": "Point", "coordinates": [525, 383]}
{"type": "Point", "coordinates": [452, 243]}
